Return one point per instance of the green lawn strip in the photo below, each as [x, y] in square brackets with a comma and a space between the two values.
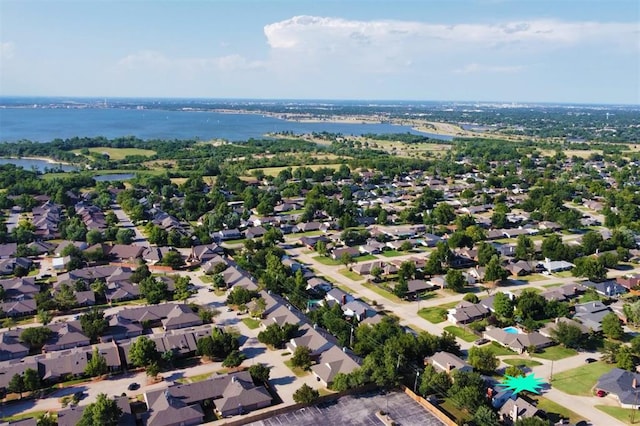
[364, 258]
[499, 350]
[252, 323]
[581, 380]
[554, 353]
[531, 278]
[622, 414]
[72, 383]
[327, 261]
[551, 285]
[436, 314]
[351, 275]
[461, 416]
[299, 372]
[556, 412]
[382, 292]
[461, 333]
[21, 416]
[199, 377]
[519, 362]
[393, 253]
[118, 153]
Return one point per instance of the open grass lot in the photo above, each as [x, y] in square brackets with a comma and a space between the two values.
[409, 150]
[393, 253]
[119, 153]
[327, 261]
[252, 323]
[519, 362]
[555, 353]
[580, 381]
[436, 314]
[622, 414]
[351, 275]
[461, 333]
[382, 292]
[273, 171]
[556, 412]
[499, 350]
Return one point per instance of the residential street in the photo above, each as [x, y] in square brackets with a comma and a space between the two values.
[125, 222]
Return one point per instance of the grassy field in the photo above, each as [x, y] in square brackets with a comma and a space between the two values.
[555, 353]
[557, 412]
[299, 372]
[382, 292]
[499, 350]
[351, 275]
[461, 333]
[436, 314]
[252, 323]
[274, 171]
[119, 153]
[519, 362]
[581, 380]
[327, 260]
[622, 414]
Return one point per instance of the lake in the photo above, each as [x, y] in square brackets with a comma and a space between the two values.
[113, 177]
[40, 165]
[46, 124]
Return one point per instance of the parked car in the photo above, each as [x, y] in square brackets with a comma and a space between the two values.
[133, 386]
[590, 360]
[481, 341]
[600, 393]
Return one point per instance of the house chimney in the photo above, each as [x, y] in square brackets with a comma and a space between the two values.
[448, 368]
[634, 383]
[344, 299]
[514, 414]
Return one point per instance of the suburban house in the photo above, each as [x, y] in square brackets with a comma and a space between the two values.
[590, 314]
[623, 385]
[11, 347]
[313, 338]
[609, 288]
[71, 416]
[514, 410]
[65, 335]
[549, 328]
[518, 342]
[466, 312]
[629, 281]
[332, 362]
[448, 362]
[335, 295]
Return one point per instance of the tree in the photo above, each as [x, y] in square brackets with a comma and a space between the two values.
[234, 359]
[35, 337]
[240, 296]
[483, 360]
[259, 373]
[65, 298]
[94, 237]
[44, 317]
[531, 305]
[140, 273]
[568, 335]
[153, 290]
[305, 394]
[218, 345]
[31, 380]
[432, 382]
[183, 289]
[376, 272]
[46, 419]
[485, 416]
[611, 326]
[625, 359]
[172, 259]
[93, 323]
[467, 391]
[485, 252]
[525, 249]
[471, 298]
[346, 259]
[153, 369]
[591, 242]
[16, 385]
[97, 364]
[125, 236]
[589, 267]
[104, 412]
[143, 352]
[495, 272]
[513, 371]
[531, 421]
[401, 288]
[301, 357]
[455, 280]
[275, 335]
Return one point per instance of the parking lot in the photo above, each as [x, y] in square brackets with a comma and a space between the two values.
[359, 410]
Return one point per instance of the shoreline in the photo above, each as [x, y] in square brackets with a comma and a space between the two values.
[46, 159]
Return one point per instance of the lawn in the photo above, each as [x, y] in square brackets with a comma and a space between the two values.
[519, 362]
[327, 261]
[351, 275]
[252, 323]
[382, 292]
[499, 350]
[556, 412]
[394, 253]
[460, 415]
[119, 153]
[26, 416]
[622, 414]
[532, 278]
[197, 378]
[555, 353]
[299, 372]
[581, 380]
[436, 314]
[461, 333]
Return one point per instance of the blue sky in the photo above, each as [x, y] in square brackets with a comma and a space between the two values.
[585, 51]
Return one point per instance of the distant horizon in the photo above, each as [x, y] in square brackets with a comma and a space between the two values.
[316, 100]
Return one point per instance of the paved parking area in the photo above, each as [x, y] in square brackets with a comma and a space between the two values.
[357, 410]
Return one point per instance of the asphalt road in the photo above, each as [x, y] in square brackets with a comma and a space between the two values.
[125, 222]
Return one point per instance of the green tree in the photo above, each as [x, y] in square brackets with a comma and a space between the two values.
[305, 394]
[259, 373]
[625, 359]
[301, 357]
[94, 237]
[143, 352]
[104, 412]
[153, 290]
[432, 382]
[16, 385]
[31, 380]
[125, 236]
[485, 416]
[44, 317]
[46, 419]
[467, 391]
[485, 252]
[495, 272]
[568, 335]
[96, 365]
[183, 289]
[513, 371]
[611, 326]
[35, 337]
[234, 359]
[455, 280]
[531, 421]
[483, 360]
[401, 288]
[172, 259]
[93, 323]
[65, 298]
[525, 249]
[589, 267]
[275, 335]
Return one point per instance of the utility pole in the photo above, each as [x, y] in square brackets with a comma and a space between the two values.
[351, 338]
[551, 373]
[415, 383]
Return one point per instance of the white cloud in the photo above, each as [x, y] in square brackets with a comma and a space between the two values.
[7, 50]
[149, 59]
[479, 68]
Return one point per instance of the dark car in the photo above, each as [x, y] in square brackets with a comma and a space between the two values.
[133, 386]
[79, 395]
[590, 360]
[600, 393]
[481, 341]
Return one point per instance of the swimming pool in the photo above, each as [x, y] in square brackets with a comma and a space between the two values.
[511, 330]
